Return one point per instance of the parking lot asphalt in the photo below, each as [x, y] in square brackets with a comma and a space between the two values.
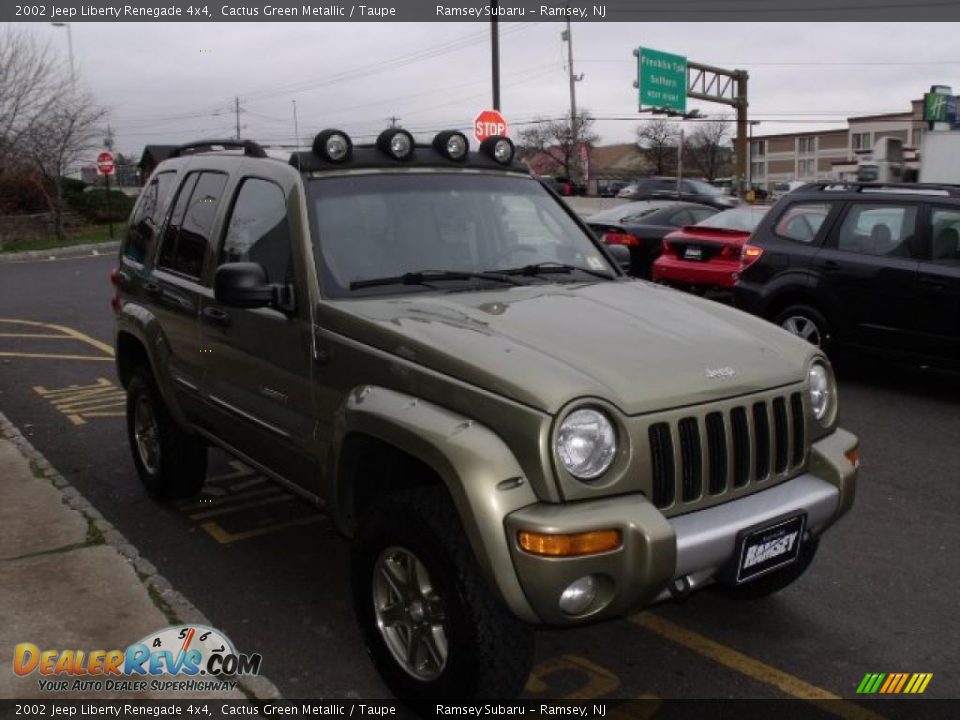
[882, 596]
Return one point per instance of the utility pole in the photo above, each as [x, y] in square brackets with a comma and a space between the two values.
[296, 126]
[740, 143]
[393, 119]
[574, 79]
[236, 106]
[680, 162]
[495, 53]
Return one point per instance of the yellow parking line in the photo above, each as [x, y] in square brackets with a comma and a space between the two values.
[225, 537]
[68, 332]
[52, 356]
[31, 335]
[752, 668]
[243, 506]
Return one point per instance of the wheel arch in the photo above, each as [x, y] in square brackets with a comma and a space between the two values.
[416, 437]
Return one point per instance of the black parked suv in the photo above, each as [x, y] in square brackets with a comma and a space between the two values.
[862, 266]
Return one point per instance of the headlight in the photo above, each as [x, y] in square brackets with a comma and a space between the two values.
[821, 391]
[586, 443]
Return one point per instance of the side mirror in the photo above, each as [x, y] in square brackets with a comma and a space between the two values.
[243, 285]
[621, 254]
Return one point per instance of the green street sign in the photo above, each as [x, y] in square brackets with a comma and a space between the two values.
[662, 79]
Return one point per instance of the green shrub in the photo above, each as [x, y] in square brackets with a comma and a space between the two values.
[93, 205]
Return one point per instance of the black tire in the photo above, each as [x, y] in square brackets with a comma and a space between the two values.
[774, 582]
[800, 313]
[180, 466]
[489, 651]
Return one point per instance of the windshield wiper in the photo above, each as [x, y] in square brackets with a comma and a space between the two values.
[427, 277]
[553, 267]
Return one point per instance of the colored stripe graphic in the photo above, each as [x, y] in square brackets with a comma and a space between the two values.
[894, 683]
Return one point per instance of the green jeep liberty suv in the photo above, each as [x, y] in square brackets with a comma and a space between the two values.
[427, 344]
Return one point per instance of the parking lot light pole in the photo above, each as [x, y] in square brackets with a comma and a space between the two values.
[73, 74]
[495, 53]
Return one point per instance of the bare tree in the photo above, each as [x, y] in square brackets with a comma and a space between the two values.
[31, 82]
[559, 142]
[59, 140]
[708, 148]
[658, 142]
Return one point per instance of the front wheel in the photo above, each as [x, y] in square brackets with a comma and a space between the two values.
[432, 626]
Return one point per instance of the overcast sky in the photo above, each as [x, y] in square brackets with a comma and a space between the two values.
[173, 82]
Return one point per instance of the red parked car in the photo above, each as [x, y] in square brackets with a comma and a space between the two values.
[706, 256]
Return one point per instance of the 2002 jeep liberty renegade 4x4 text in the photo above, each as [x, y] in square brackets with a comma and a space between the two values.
[429, 345]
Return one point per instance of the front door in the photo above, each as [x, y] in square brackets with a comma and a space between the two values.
[939, 286]
[259, 361]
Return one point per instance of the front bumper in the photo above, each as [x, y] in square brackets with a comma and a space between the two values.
[684, 552]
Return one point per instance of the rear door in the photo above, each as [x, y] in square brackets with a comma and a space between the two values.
[938, 284]
[867, 272]
[259, 359]
[175, 283]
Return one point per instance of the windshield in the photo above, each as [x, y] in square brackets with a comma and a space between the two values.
[705, 188]
[744, 218]
[369, 227]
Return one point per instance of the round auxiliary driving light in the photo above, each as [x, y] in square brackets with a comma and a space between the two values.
[396, 143]
[499, 148]
[452, 144]
[333, 146]
[579, 595]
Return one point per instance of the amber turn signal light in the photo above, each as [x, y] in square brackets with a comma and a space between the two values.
[588, 543]
[853, 455]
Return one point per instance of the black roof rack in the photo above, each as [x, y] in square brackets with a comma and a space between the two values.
[249, 147]
[894, 188]
[367, 156]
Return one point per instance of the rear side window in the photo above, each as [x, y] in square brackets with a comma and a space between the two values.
[802, 222]
[188, 232]
[258, 230]
[945, 236]
[879, 230]
[147, 217]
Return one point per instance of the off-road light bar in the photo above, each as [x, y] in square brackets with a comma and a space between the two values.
[396, 143]
[452, 144]
[499, 148]
[333, 146]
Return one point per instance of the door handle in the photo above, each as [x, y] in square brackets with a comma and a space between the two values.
[932, 284]
[216, 316]
[830, 265]
[152, 288]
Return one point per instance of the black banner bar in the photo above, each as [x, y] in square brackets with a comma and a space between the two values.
[647, 709]
[715, 11]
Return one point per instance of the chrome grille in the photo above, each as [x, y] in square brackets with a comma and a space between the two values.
[706, 454]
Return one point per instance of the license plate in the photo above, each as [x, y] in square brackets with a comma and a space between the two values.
[769, 548]
[693, 253]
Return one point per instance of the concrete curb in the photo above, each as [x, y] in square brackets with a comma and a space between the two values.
[104, 248]
[177, 607]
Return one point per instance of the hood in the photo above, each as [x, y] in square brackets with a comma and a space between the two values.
[641, 347]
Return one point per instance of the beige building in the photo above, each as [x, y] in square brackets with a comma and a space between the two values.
[832, 154]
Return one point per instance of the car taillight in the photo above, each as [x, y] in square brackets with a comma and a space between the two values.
[749, 255]
[666, 248]
[615, 238]
[115, 281]
[729, 251]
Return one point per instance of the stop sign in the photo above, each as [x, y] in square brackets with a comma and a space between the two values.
[489, 123]
[105, 165]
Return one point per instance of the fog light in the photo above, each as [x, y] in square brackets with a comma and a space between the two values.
[499, 148]
[452, 144]
[579, 595]
[333, 146]
[396, 143]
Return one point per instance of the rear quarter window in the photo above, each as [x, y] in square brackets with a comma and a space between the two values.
[801, 222]
[147, 217]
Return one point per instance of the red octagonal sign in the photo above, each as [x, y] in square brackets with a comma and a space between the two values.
[105, 165]
[489, 123]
